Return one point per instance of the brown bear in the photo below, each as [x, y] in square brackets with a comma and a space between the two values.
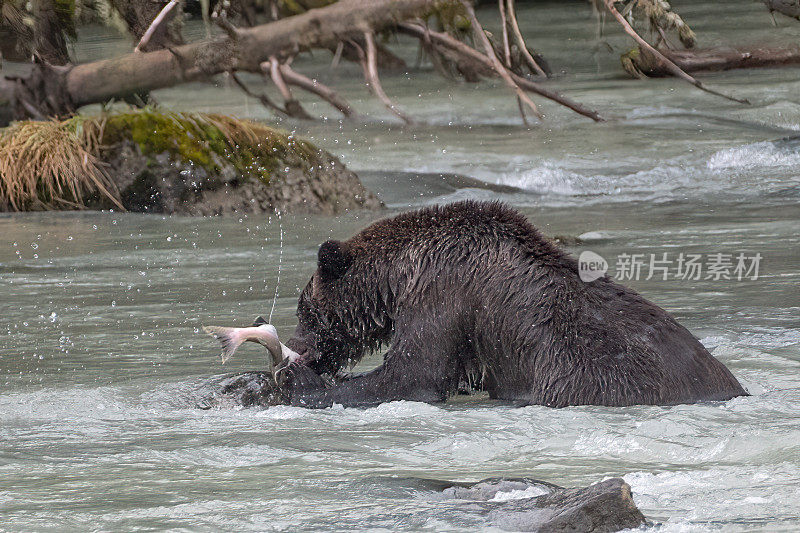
[473, 289]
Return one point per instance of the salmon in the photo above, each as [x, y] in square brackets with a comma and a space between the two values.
[260, 332]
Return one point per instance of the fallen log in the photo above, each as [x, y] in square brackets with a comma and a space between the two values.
[133, 73]
[58, 91]
[710, 60]
[659, 57]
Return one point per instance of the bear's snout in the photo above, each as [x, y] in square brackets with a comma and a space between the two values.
[301, 342]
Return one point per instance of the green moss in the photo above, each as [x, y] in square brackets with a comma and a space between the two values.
[65, 13]
[210, 141]
[638, 63]
[451, 17]
[156, 133]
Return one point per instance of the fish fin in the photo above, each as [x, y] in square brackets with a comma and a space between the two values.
[259, 322]
[227, 337]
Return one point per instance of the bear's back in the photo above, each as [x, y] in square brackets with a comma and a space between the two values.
[547, 336]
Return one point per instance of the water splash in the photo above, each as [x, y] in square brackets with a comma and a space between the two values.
[280, 264]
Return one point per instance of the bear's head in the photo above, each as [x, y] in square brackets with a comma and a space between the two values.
[341, 313]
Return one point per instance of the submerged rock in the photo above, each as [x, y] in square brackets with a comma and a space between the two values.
[522, 504]
[173, 163]
[605, 506]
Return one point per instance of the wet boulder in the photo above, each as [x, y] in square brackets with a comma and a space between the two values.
[530, 505]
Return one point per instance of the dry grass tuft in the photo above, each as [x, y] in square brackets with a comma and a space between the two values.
[51, 165]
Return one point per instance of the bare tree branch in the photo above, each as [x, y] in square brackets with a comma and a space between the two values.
[337, 55]
[139, 15]
[293, 77]
[501, 5]
[263, 98]
[480, 35]
[291, 105]
[370, 65]
[674, 69]
[324, 27]
[49, 92]
[504, 20]
[162, 15]
[485, 64]
[523, 48]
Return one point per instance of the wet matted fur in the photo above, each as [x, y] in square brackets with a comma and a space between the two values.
[473, 288]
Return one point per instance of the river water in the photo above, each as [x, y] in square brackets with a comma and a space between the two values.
[101, 350]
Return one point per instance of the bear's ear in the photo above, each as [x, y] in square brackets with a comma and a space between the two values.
[333, 259]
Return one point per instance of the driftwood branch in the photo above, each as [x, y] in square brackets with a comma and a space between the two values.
[337, 55]
[291, 105]
[370, 64]
[437, 57]
[487, 68]
[501, 6]
[504, 73]
[716, 59]
[263, 98]
[344, 25]
[325, 27]
[139, 16]
[671, 67]
[160, 18]
[523, 48]
[292, 77]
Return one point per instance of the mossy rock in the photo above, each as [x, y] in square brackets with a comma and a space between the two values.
[165, 162]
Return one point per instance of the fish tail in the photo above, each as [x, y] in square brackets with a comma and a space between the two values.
[227, 337]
